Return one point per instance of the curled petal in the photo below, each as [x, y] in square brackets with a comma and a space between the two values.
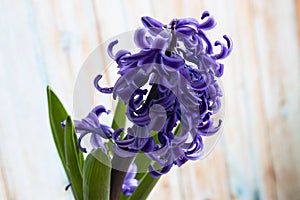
[209, 48]
[220, 70]
[149, 146]
[108, 90]
[120, 54]
[181, 160]
[162, 40]
[155, 173]
[187, 22]
[124, 153]
[125, 143]
[140, 39]
[205, 14]
[209, 23]
[186, 30]
[110, 49]
[175, 63]
[79, 142]
[196, 146]
[148, 60]
[229, 43]
[223, 52]
[225, 48]
[98, 110]
[199, 86]
[155, 154]
[139, 143]
[136, 57]
[116, 134]
[208, 128]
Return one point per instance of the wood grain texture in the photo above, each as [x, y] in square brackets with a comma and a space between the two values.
[47, 41]
[280, 78]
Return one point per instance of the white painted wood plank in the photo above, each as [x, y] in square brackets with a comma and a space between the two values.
[280, 76]
[66, 34]
[244, 128]
[28, 158]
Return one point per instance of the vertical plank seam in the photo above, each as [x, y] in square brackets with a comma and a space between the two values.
[125, 15]
[4, 181]
[227, 170]
[297, 10]
[97, 25]
[180, 179]
[99, 38]
[35, 41]
[271, 170]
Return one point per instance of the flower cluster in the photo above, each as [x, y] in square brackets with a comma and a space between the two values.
[178, 63]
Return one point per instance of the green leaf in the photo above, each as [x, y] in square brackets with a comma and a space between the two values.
[96, 176]
[123, 197]
[120, 116]
[72, 154]
[145, 187]
[57, 114]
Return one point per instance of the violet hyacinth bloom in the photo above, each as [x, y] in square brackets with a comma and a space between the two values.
[178, 62]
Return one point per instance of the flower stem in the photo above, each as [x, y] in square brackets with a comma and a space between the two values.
[173, 41]
[117, 176]
[153, 94]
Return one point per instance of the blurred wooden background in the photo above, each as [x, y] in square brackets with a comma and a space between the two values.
[258, 157]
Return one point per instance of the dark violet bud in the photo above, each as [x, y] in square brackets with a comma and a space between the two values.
[130, 183]
[68, 186]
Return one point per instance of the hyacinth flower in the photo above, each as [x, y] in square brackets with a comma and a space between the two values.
[171, 94]
[178, 61]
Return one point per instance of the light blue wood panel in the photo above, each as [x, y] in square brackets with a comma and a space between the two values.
[46, 42]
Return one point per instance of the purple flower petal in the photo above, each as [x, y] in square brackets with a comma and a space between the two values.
[155, 173]
[100, 89]
[151, 23]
